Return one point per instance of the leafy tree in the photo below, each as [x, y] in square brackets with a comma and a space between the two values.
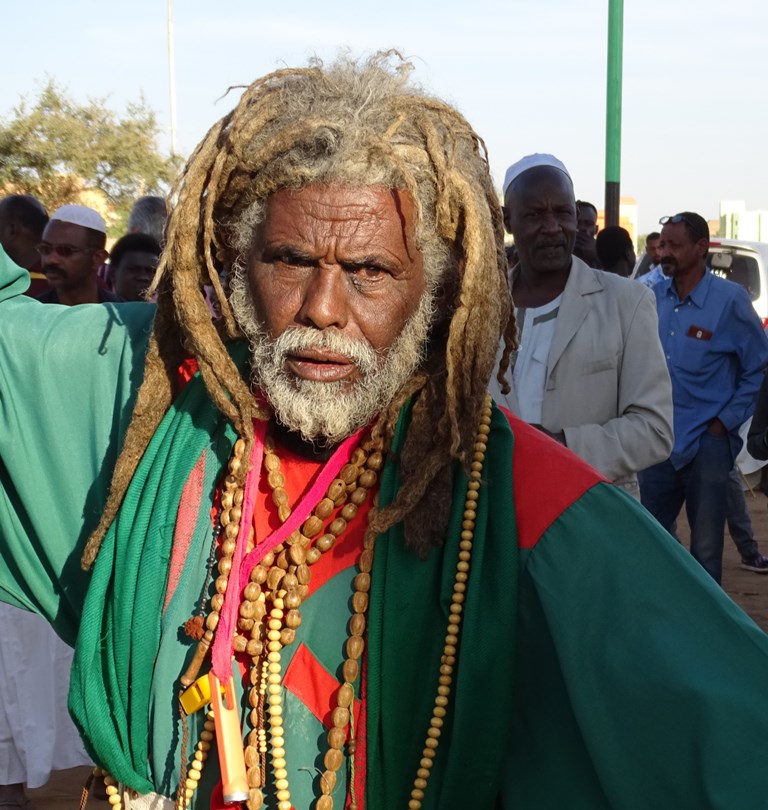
[55, 148]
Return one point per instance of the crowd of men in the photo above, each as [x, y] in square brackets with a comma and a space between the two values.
[301, 508]
[595, 372]
[66, 254]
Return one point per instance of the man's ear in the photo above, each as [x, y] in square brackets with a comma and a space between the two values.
[505, 213]
[99, 257]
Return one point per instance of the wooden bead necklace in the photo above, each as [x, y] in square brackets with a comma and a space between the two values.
[285, 575]
[282, 579]
[288, 583]
[451, 643]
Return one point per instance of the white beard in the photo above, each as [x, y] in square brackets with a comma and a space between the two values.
[326, 413]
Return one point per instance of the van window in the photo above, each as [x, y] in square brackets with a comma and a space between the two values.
[739, 268]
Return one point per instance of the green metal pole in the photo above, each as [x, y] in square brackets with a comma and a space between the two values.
[613, 111]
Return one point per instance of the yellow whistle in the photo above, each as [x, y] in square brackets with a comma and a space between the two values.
[229, 739]
[196, 696]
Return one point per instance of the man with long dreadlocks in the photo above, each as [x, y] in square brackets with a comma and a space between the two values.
[327, 571]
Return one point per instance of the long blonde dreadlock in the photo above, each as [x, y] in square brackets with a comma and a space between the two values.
[352, 123]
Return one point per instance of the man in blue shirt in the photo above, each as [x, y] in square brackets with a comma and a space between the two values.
[716, 351]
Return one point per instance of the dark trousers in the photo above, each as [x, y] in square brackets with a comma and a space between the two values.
[702, 486]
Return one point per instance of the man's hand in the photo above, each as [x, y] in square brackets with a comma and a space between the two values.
[716, 428]
[559, 437]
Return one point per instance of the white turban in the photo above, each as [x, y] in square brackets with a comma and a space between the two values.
[80, 215]
[531, 162]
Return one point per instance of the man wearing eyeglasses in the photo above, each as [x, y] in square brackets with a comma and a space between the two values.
[716, 351]
[72, 250]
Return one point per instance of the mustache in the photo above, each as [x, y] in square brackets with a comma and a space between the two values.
[548, 243]
[298, 338]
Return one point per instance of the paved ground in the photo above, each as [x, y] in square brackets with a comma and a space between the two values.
[748, 589]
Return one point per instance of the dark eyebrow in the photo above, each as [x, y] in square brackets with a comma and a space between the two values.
[277, 252]
[291, 253]
[377, 262]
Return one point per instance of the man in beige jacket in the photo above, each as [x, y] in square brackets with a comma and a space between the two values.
[589, 370]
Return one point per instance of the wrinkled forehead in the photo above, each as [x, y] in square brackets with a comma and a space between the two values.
[319, 216]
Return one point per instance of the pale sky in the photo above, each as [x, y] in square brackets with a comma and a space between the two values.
[529, 76]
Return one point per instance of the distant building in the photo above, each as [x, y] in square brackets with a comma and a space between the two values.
[738, 223]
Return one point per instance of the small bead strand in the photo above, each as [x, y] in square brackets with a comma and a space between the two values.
[450, 645]
[198, 761]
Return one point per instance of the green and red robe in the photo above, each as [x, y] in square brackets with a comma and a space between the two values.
[599, 666]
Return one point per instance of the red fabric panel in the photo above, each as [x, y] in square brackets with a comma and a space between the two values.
[344, 554]
[537, 462]
[186, 520]
[299, 474]
[308, 680]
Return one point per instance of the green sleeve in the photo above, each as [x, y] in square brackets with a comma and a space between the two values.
[641, 684]
[68, 378]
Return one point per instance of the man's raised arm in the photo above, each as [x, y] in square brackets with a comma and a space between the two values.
[68, 378]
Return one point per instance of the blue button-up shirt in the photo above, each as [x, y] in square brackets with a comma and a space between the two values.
[716, 351]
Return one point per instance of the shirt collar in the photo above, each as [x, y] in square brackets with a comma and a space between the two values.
[698, 295]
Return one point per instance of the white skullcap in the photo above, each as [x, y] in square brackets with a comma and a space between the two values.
[80, 215]
[531, 162]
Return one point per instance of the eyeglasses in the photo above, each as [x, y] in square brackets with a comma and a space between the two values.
[65, 251]
[683, 218]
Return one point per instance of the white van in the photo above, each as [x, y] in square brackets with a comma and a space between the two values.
[745, 263]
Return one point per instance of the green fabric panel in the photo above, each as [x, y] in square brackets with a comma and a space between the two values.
[14, 280]
[408, 616]
[120, 634]
[68, 379]
[173, 654]
[323, 630]
[641, 684]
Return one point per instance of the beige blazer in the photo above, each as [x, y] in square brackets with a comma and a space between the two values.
[607, 385]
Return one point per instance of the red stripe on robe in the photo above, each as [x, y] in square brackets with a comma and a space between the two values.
[537, 461]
